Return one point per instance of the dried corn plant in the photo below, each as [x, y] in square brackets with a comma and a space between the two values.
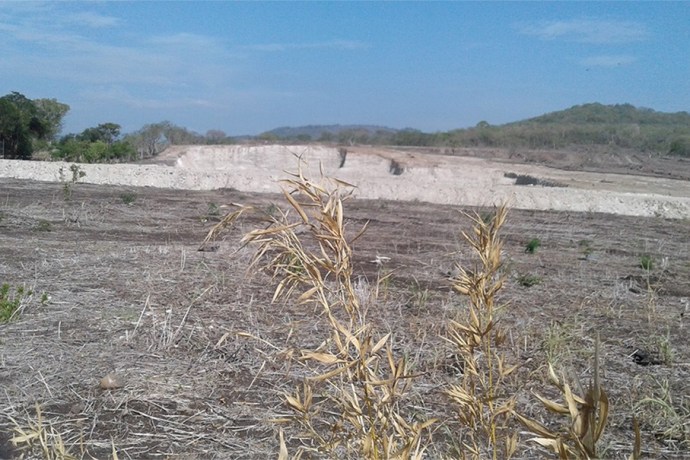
[587, 416]
[38, 438]
[483, 407]
[224, 223]
[350, 405]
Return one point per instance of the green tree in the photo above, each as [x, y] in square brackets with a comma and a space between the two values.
[52, 113]
[105, 132]
[680, 146]
[148, 141]
[26, 125]
[14, 134]
[95, 145]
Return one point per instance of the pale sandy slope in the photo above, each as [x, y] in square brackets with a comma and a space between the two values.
[425, 177]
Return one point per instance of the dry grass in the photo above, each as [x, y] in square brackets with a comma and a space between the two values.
[483, 405]
[37, 437]
[349, 405]
[351, 400]
[208, 362]
[588, 415]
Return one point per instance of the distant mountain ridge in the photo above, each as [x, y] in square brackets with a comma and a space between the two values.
[620, 125]
[590, 113]
[316, 131]
[596, 113]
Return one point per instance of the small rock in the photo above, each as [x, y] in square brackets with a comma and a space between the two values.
[111, 382]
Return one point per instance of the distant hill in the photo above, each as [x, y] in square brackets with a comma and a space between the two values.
[319, 131]
[620, 125]
[612, 126]
[619, 114]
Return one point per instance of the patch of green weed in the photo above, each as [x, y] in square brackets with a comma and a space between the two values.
[128, 198]
[528, 280]
[532, 246]
[646, 262]
[11, 301]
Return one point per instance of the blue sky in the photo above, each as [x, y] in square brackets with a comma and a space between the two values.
[249, 67]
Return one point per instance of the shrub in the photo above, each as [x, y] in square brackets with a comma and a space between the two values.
[11, 302]
[68, 182]
[532, 245]
[646, 262]
[585, 247]
[128, 198]
[584, 417]
[528, 280]
[44, 226]
[680, 146]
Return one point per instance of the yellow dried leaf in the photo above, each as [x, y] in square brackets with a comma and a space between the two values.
[535, 427]
[572, 404]
[553, 376]
[331, 374]
[427, 424]
[380, 343]
[325, 358]
[510, 370]
[283, 454]
[511, 445]
[296, 206]
[294, 403]
[24, 438]
[603, 414]
[553, 444]
[552, 405]
[339, 214]
[307, 295]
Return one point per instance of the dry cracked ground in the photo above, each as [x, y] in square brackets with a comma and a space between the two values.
[199, 357]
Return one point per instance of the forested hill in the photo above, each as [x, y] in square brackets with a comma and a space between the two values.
[622, 114]
[320, 131]
[623, 125]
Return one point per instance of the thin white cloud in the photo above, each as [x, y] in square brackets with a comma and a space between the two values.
[607, 61]
[118, 95]
[331, 44]
[593, 31]
[184, 39]
[93, 20]
[177, 61]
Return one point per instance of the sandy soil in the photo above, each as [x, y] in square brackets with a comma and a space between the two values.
[386, 174]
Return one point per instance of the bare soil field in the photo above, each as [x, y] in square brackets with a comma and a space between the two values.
[199, 358]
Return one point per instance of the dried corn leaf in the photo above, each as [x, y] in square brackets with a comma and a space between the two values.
[283, 454]
[535, 427]
[380, 343]
[552, 405]
[325, 358]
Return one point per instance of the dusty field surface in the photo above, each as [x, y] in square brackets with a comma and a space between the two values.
[201, 357]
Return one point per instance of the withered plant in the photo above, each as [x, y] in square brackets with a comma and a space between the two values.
[351, 404]
[585, 416]
[39, 438]
[482, 404]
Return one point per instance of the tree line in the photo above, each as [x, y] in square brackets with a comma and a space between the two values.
[30, 129]
[620, 126]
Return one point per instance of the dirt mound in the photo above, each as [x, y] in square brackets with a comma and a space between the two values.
[388, 174]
